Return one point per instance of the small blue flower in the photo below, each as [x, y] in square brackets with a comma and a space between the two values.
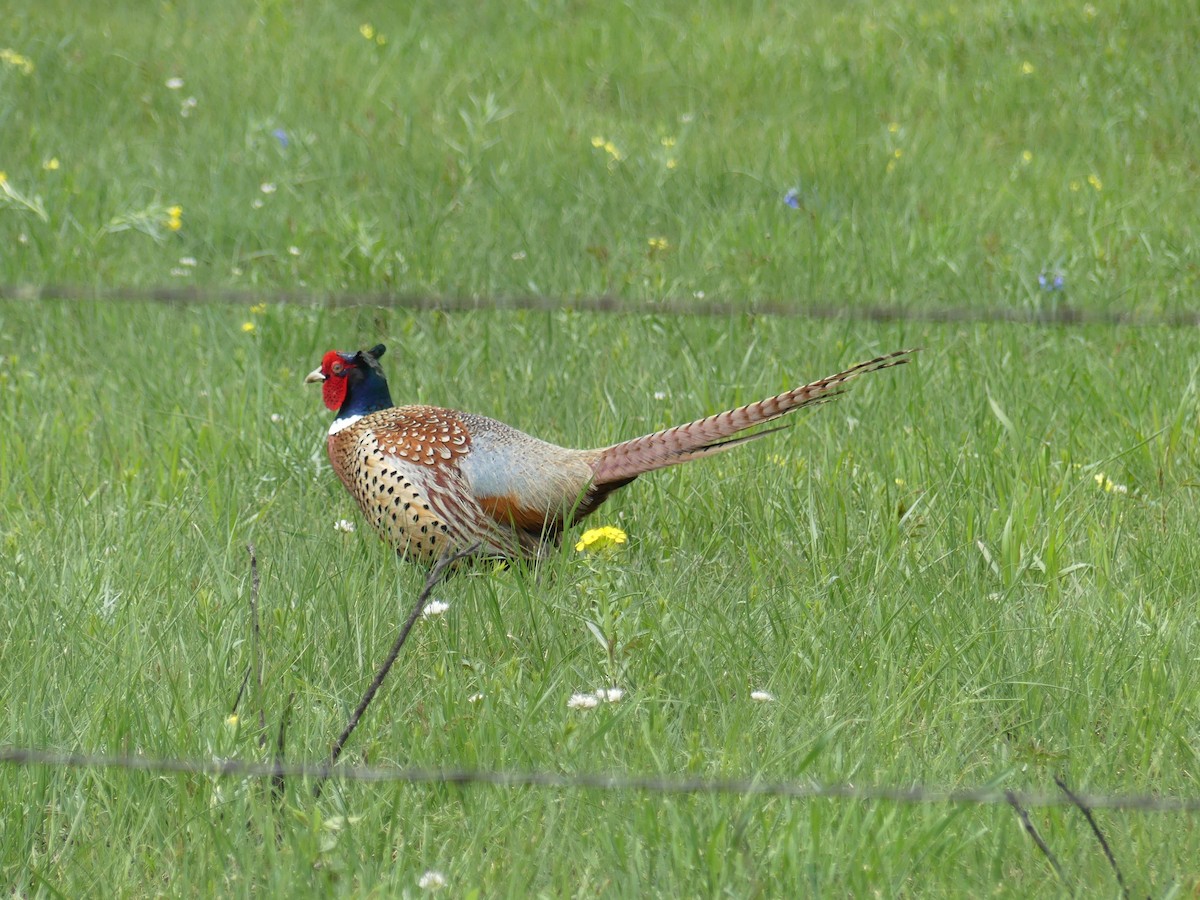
[792, 198]
[281, 136]
[1046, 283]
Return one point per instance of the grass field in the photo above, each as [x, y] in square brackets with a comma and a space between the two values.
[979, 569]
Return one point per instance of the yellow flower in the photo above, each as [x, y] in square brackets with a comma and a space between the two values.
[672, 163]
[1075, 185]
[604, 538]
[258, 309]
[1027, 68]
[367, 30]
[668, 142]
[51, 164]
[248, 327]
[897, 153]
[16, 60]
[658, 244]
[1094, 181]
[1027, 157]
[600, 142]
[893, 127]
[175, 218]
[3, 178]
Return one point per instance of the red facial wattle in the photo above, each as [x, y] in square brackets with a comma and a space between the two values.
[333, 389]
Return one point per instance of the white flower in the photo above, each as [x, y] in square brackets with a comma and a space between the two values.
[519, 255]
[267, 187]
[189, 261]
[174, 83]
[276, 417]
[610, 695]
[257, 204]
[108, 606]
[660, 395]
[177, 272]
[295, 251]
[433, 880]
[761, 696]
[435, 608]
[343, 525]
[583, 701]
[475, 698]
[186, 107]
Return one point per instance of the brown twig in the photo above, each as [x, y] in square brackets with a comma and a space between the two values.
[1079, 804]
[241, 690]
[277, 777]
[435, 575]
[255, 653]
[1032, 831]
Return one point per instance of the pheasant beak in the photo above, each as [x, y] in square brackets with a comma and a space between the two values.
[315, 376]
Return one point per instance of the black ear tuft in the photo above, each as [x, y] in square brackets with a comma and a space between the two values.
[377, 351]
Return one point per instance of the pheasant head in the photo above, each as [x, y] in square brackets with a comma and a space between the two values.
[352, 384]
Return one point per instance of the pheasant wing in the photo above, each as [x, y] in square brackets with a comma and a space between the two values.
[408, 481]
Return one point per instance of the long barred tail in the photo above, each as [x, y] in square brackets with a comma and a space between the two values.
[621, 463]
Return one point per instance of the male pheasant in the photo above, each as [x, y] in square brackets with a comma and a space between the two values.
[432, 480]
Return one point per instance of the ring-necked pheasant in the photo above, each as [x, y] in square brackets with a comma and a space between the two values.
[431, 479]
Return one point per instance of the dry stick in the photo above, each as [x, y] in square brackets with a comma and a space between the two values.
[1087, 814]
[435, 575]
[237, 700]
[1033, 832]
[277, 778]
[241, 690]
[255, 654]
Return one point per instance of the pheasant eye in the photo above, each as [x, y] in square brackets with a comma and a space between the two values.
[337, 368]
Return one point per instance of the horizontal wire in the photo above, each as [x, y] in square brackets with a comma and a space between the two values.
[1057, 314]
[655, 784]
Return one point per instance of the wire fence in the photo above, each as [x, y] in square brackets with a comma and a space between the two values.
[652, 784]
[1052, 313]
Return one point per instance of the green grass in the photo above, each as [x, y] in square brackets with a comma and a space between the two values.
[426, 163]
[927, 574]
